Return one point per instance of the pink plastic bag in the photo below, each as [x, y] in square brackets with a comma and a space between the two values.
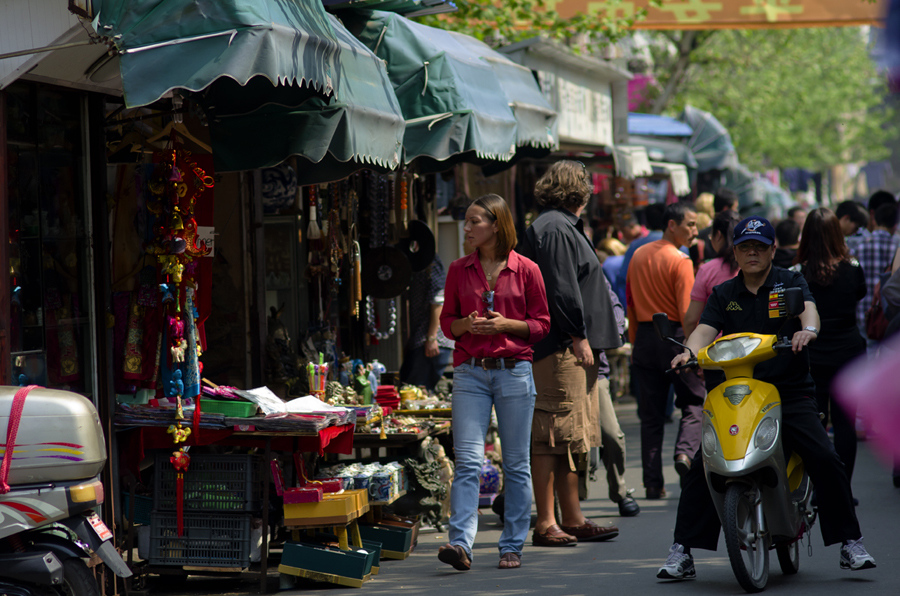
[870, 385]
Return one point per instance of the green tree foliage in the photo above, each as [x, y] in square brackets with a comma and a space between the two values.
[500, 22]
[808, 98]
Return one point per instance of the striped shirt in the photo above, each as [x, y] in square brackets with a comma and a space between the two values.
[874, 253]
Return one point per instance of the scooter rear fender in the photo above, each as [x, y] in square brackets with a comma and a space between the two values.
[104, 549]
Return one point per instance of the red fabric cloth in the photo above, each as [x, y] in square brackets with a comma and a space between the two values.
[12, 429]
[518, 294]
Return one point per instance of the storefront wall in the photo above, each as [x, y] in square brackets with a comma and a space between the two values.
[51, 312]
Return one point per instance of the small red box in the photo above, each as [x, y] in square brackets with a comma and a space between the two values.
[328, 485]
[303, 494]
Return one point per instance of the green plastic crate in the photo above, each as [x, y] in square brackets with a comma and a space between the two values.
[142, 508]
[233, 409]
[208, 540]
[214, 483]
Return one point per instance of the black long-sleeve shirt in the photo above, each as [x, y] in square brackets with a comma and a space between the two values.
[577, 289]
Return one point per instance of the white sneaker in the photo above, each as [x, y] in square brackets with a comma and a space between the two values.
[854, 556]
[678, 565]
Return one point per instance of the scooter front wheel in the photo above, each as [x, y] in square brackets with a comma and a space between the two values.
[745, 536]
[77, 579]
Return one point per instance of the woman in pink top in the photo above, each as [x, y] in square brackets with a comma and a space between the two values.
[715, 271]
[710, 274]
[495, 308]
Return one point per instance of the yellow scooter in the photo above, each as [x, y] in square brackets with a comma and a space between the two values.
[761, 496]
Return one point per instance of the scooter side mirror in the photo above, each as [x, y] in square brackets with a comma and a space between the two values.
[793, 302]
[663, 326]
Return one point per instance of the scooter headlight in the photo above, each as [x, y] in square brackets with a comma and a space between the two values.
[766, 434]
[710, 440]
[732, 349]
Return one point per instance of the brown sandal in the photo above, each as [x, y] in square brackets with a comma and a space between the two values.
[553, 536]
[510, 561]
[455, 556]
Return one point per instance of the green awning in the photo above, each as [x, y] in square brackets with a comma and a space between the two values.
[410, 8]
[259, 125]
[711, 143]
[535, 117]
[276, 79]
[454, 106]
[188, 44]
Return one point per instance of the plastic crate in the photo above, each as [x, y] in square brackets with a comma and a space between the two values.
[214, 483]
[231, 408]
[208, 541]
[142, 508]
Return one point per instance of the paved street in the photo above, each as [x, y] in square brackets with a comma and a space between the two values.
[627, 564]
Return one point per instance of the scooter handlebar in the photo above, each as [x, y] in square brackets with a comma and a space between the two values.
[783, 344]
[692, 363]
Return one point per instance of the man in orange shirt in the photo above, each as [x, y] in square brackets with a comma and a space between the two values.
[660, 278]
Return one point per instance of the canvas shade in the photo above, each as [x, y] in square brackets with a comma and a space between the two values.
[188, 44]
[665, 150]
[259, 124]
[454, 106]
[710, 142]
[277, 79]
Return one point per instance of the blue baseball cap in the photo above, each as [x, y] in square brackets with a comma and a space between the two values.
[754, 228]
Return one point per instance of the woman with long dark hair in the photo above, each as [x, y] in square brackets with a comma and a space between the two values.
[495, 307]
[837, 283]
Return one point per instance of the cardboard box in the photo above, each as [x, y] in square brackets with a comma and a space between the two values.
[347, 568]
[334, 508]
[396, 543]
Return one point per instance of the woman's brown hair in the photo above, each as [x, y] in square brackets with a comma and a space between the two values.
[822, 246]
[498, 211]
[563, 185]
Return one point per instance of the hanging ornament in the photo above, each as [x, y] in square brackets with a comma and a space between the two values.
[370, 319]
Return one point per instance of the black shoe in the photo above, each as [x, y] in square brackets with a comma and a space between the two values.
[656, 492]
[499, 506]
[628, 507]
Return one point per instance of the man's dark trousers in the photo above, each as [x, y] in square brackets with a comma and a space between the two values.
[697, 524]
[652, 357]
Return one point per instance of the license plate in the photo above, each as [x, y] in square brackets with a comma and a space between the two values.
[99, 527]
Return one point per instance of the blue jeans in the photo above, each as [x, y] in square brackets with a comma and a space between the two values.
[511, 392]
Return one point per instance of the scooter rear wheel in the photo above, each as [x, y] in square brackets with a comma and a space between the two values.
[78, 579]
[745, 537]
[789, 557]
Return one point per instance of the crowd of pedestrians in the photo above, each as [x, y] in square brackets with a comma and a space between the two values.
[532, 319]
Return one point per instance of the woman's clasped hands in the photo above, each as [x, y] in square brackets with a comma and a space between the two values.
[492, 324]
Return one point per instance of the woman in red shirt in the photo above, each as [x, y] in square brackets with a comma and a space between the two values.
[495, 307]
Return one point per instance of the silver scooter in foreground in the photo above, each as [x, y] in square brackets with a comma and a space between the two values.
[54, 453]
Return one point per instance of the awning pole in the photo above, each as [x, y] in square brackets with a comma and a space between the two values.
[63, 46]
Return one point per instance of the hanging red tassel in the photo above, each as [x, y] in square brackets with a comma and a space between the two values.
[180, 461]
[179, 504]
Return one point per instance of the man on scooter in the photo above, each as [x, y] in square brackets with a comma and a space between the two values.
[744, 304]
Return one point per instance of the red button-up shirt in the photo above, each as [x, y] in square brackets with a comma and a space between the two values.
[518, 294]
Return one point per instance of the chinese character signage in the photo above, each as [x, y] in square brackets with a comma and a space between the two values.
[734, 14]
